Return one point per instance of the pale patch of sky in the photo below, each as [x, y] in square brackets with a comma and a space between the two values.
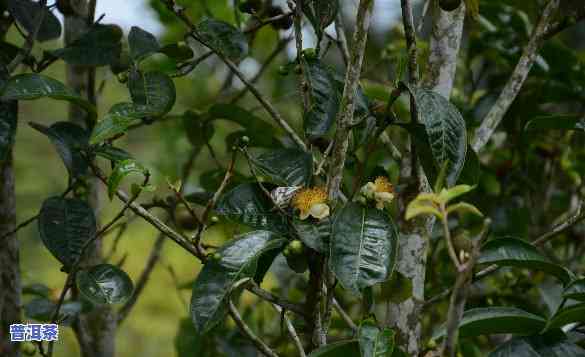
[128, 13]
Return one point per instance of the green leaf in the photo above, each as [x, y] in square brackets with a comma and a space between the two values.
[42, 309]
[445, 129]
[111, 126]
[552, 344]
[249, 205]
[104, 284]
[179, 53]
[338, 349]
[471, 171]
[575, 290]
[363, 247]
[65, 225]
[567, 315]
[27, 13]
[8, 124]
[321, 13]
[142, 43]
[556, 122]
[315, 234]
[199, 131]
[70, 140]
[29, 86]
[188, 342]
[324, 99]
[237, 260]
[496, 320]
[99, 46]
[285, 167]
[155, 91]
[373, 342]
[112, 153]
[255, 126]
[223, 38]
[518, 253]
[121, 171]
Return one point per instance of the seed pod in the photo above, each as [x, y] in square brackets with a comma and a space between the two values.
[449, 5]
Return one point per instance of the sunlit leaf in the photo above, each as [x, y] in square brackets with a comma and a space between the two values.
[99, 46]
[223, 37]
[104, 284]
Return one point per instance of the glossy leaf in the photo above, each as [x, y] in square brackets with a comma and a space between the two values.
[104, 284]
[155, 91]
[112, 153]
[142, 43]
[556, 122]
[373, 341]
[316, 235]
[567, 315]
[42, 309]
[249, 205]
[199, 131]
[188, 342]
[552, 344]
[363, 247]
[29, 86]
[237, 259]
[285, 167]
[223, 37]
[255, 127]
[496, 320]
[519, 253]
[111, 126]
[445, 129]
[575, 290]
[65, 225]
[324, 99]
[27, 14]
[69, 139]
[121, 171]
[99, 46]
[338, 349]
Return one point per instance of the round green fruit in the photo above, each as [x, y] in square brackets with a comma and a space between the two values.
[296, 247]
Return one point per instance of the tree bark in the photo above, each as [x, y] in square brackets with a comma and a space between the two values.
[10, 288]
[95, 330]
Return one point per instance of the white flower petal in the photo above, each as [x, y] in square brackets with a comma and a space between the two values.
[319, 210]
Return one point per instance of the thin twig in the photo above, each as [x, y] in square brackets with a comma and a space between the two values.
[30, 39]
[291, 331]
[244, 328]
[410, 34]
[268, 296]
[517, 79]
[341, 38]
[345, 316]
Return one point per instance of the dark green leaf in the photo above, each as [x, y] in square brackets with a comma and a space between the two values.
[363, 247]
[65, 225]
[248, 204]
[104, 284]
[29, 86]
[496, 320]
[575, 290]
[153, 90]
[445, 128]
[121, 171]
[112, 153]
[237, 260]
[556, 122]
[70, 140]
[255, 127]
[315, 234]
[42, 309]
[199, 131]
[222, 37]
[142, 43]
[324, 99]
[471, 172]
[519, 253]
[321, 13]
[373, 342]
[338, 349]
[552, 344]
[100, 46]
[199, 197]
[179, 53]
[188, 342]
[27, 13]
[36, 289]
[111, 126]
[285, 167]
[8, 124]
[567, 315]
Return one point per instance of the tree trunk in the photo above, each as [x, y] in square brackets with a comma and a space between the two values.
[9, 247]
[95, 330]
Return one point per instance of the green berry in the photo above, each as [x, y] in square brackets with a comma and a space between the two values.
[214, 219]
[283, 70]
[296, 247]
[310, 53]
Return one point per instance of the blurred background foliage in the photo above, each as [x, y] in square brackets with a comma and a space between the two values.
[528, 181]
